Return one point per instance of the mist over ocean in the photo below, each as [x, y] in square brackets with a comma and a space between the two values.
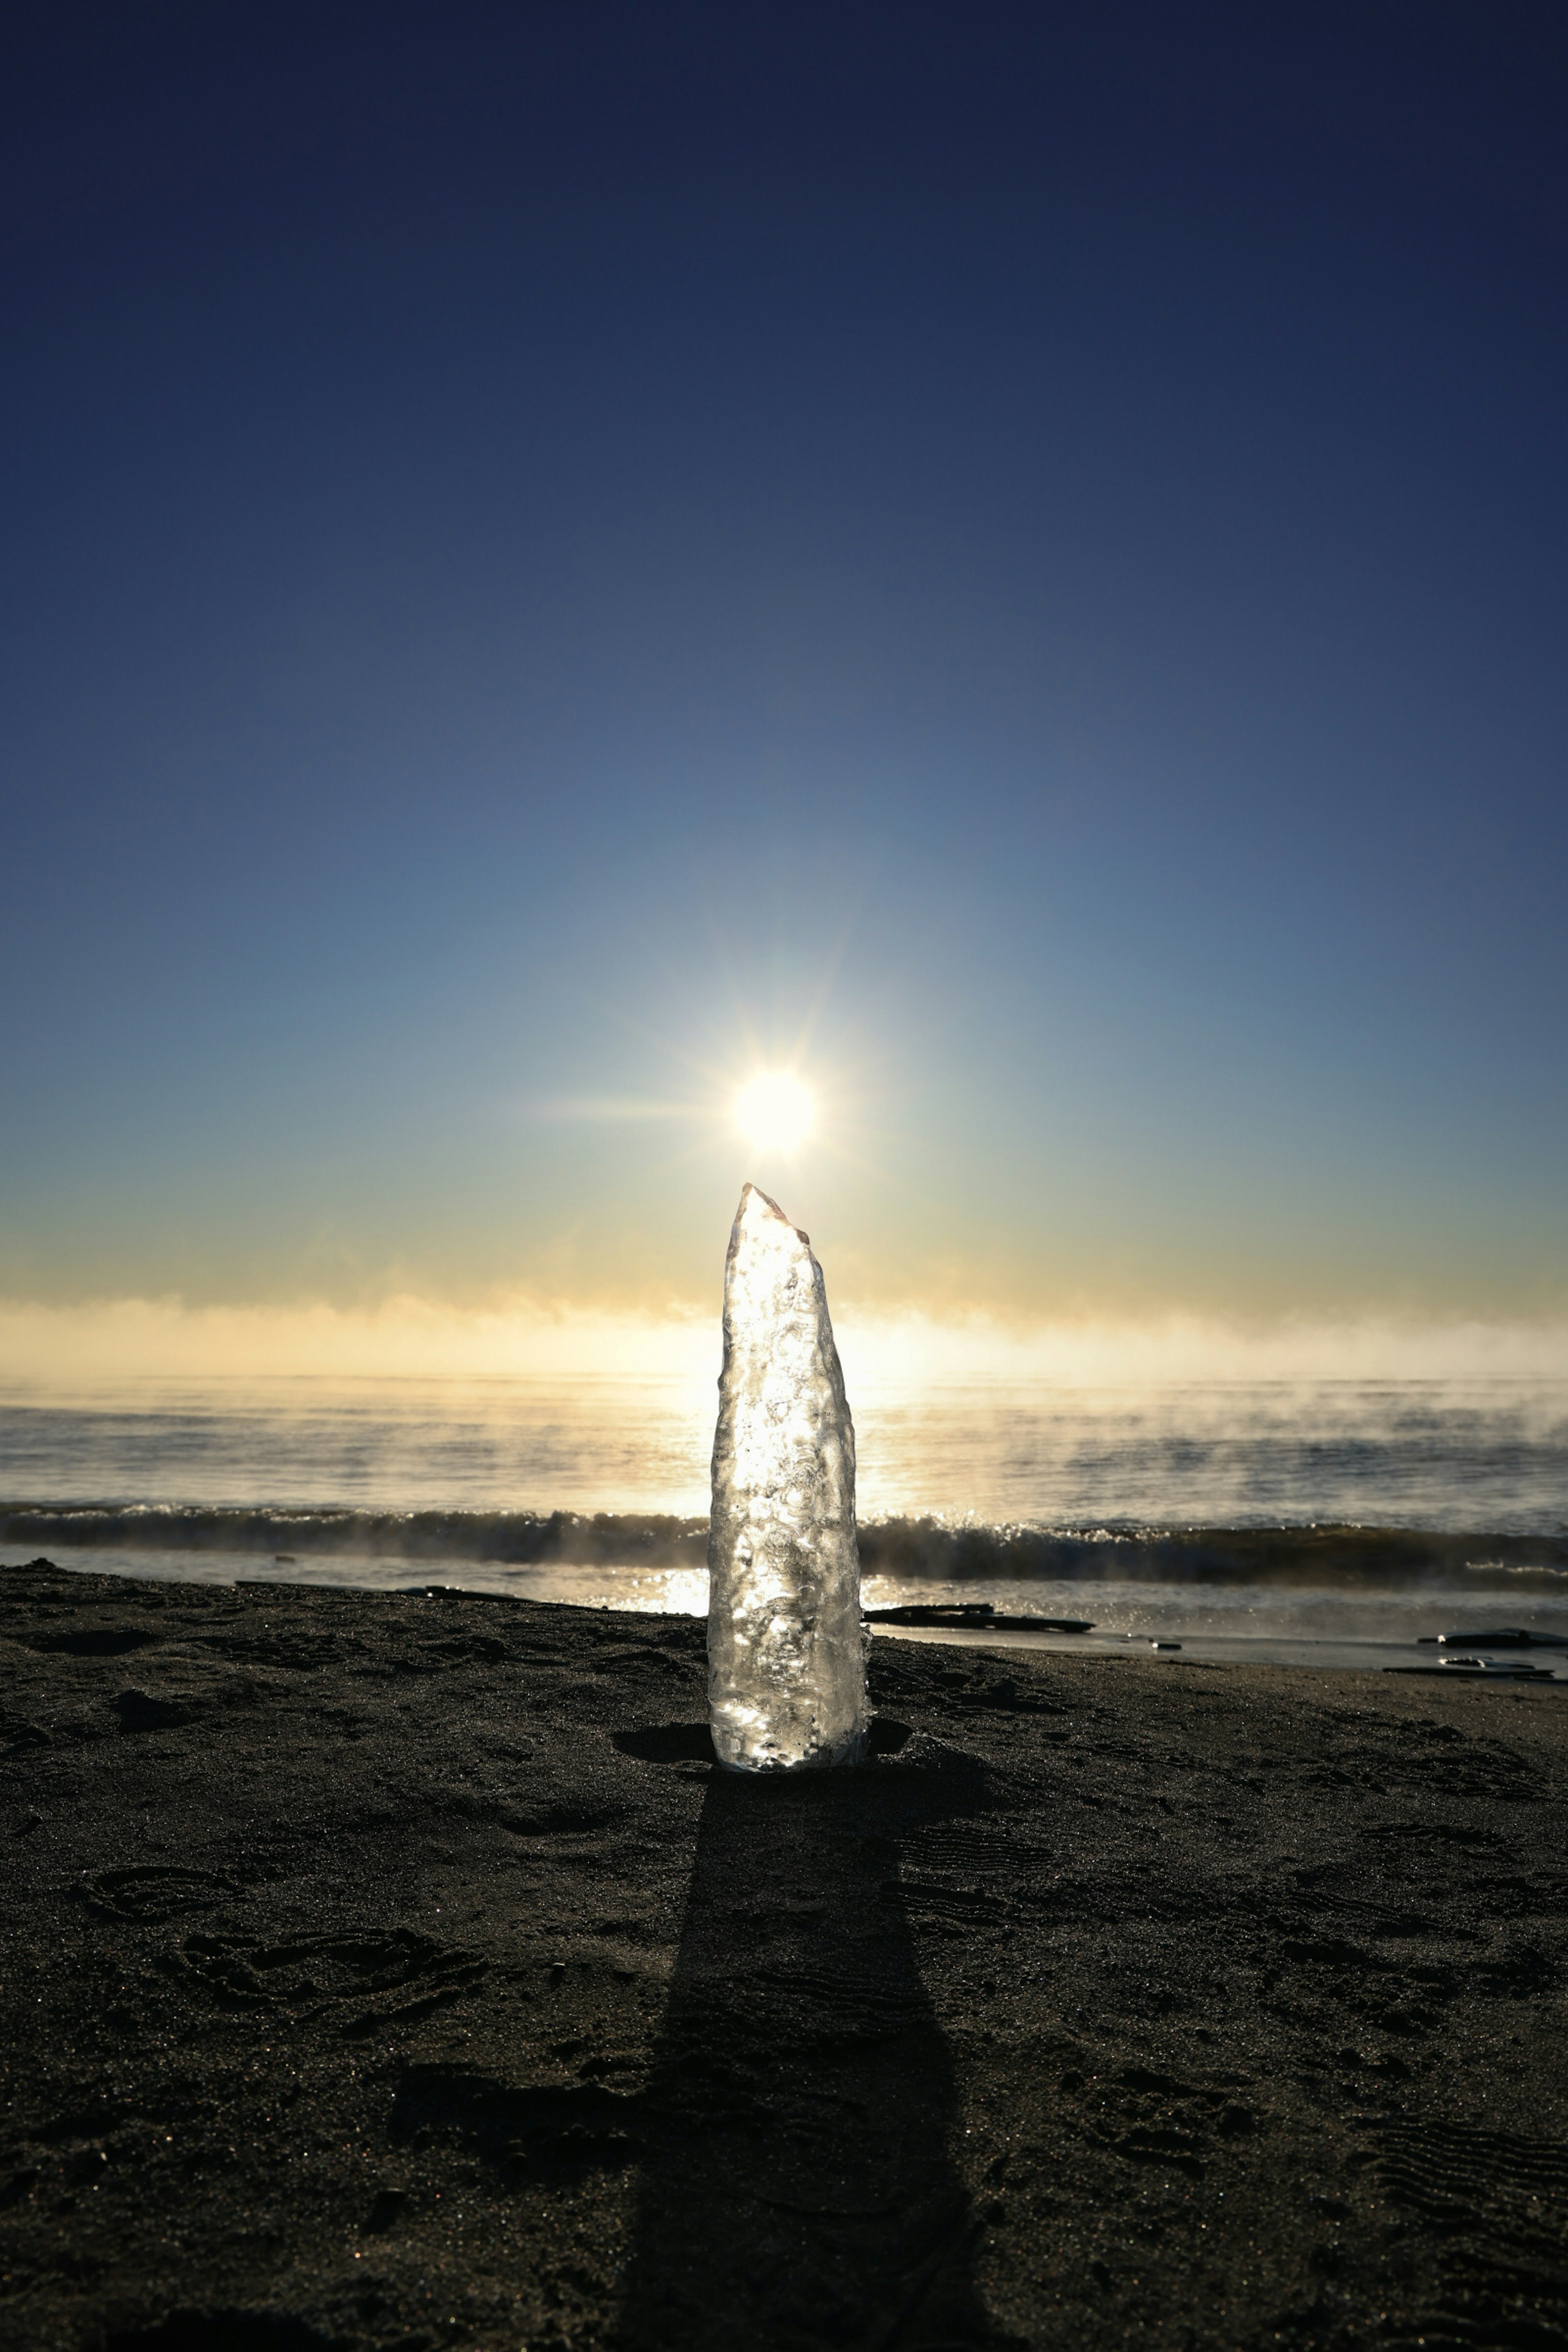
[1329, 1522]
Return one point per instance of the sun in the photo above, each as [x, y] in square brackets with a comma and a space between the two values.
[775, 1112]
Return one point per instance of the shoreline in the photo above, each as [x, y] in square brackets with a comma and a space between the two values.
[395, 1970]
[1369, 1634]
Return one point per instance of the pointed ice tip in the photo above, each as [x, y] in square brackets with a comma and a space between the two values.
[756, 1208]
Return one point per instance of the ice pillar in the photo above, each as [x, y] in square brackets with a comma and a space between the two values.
[786, 1654]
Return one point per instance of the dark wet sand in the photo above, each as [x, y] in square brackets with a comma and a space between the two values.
[397, 1972]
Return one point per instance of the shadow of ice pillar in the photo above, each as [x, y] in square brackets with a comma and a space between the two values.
[786, 1654]
[800, 2188]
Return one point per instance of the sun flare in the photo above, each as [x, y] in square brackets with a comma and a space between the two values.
[775, 1112]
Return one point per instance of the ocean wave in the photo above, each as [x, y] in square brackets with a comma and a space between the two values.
[953, 1551]
[1316, 1555]
[505, 1539]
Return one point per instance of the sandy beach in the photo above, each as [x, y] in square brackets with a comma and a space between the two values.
[397, 1970]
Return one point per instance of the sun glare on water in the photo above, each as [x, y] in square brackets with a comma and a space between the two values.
[774, 1111]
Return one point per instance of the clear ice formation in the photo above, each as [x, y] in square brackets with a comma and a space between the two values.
[786, 1652]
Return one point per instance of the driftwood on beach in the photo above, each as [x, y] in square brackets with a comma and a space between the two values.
[397, 1970]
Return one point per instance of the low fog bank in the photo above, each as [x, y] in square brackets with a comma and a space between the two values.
[102, 1348]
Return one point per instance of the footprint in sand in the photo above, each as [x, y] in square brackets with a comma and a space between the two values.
[152, 1896]
[383, 1978]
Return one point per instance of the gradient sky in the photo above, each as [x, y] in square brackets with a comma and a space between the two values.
[1013, 555]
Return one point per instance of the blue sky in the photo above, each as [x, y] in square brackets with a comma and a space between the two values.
[1013, 556]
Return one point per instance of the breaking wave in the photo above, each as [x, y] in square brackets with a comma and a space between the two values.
[949, 1551]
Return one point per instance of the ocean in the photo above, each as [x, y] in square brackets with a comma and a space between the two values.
[1331, 1523]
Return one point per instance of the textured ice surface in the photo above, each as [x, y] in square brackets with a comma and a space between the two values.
[786, 1656]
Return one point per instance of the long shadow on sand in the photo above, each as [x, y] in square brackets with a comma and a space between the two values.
[798, 2188]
